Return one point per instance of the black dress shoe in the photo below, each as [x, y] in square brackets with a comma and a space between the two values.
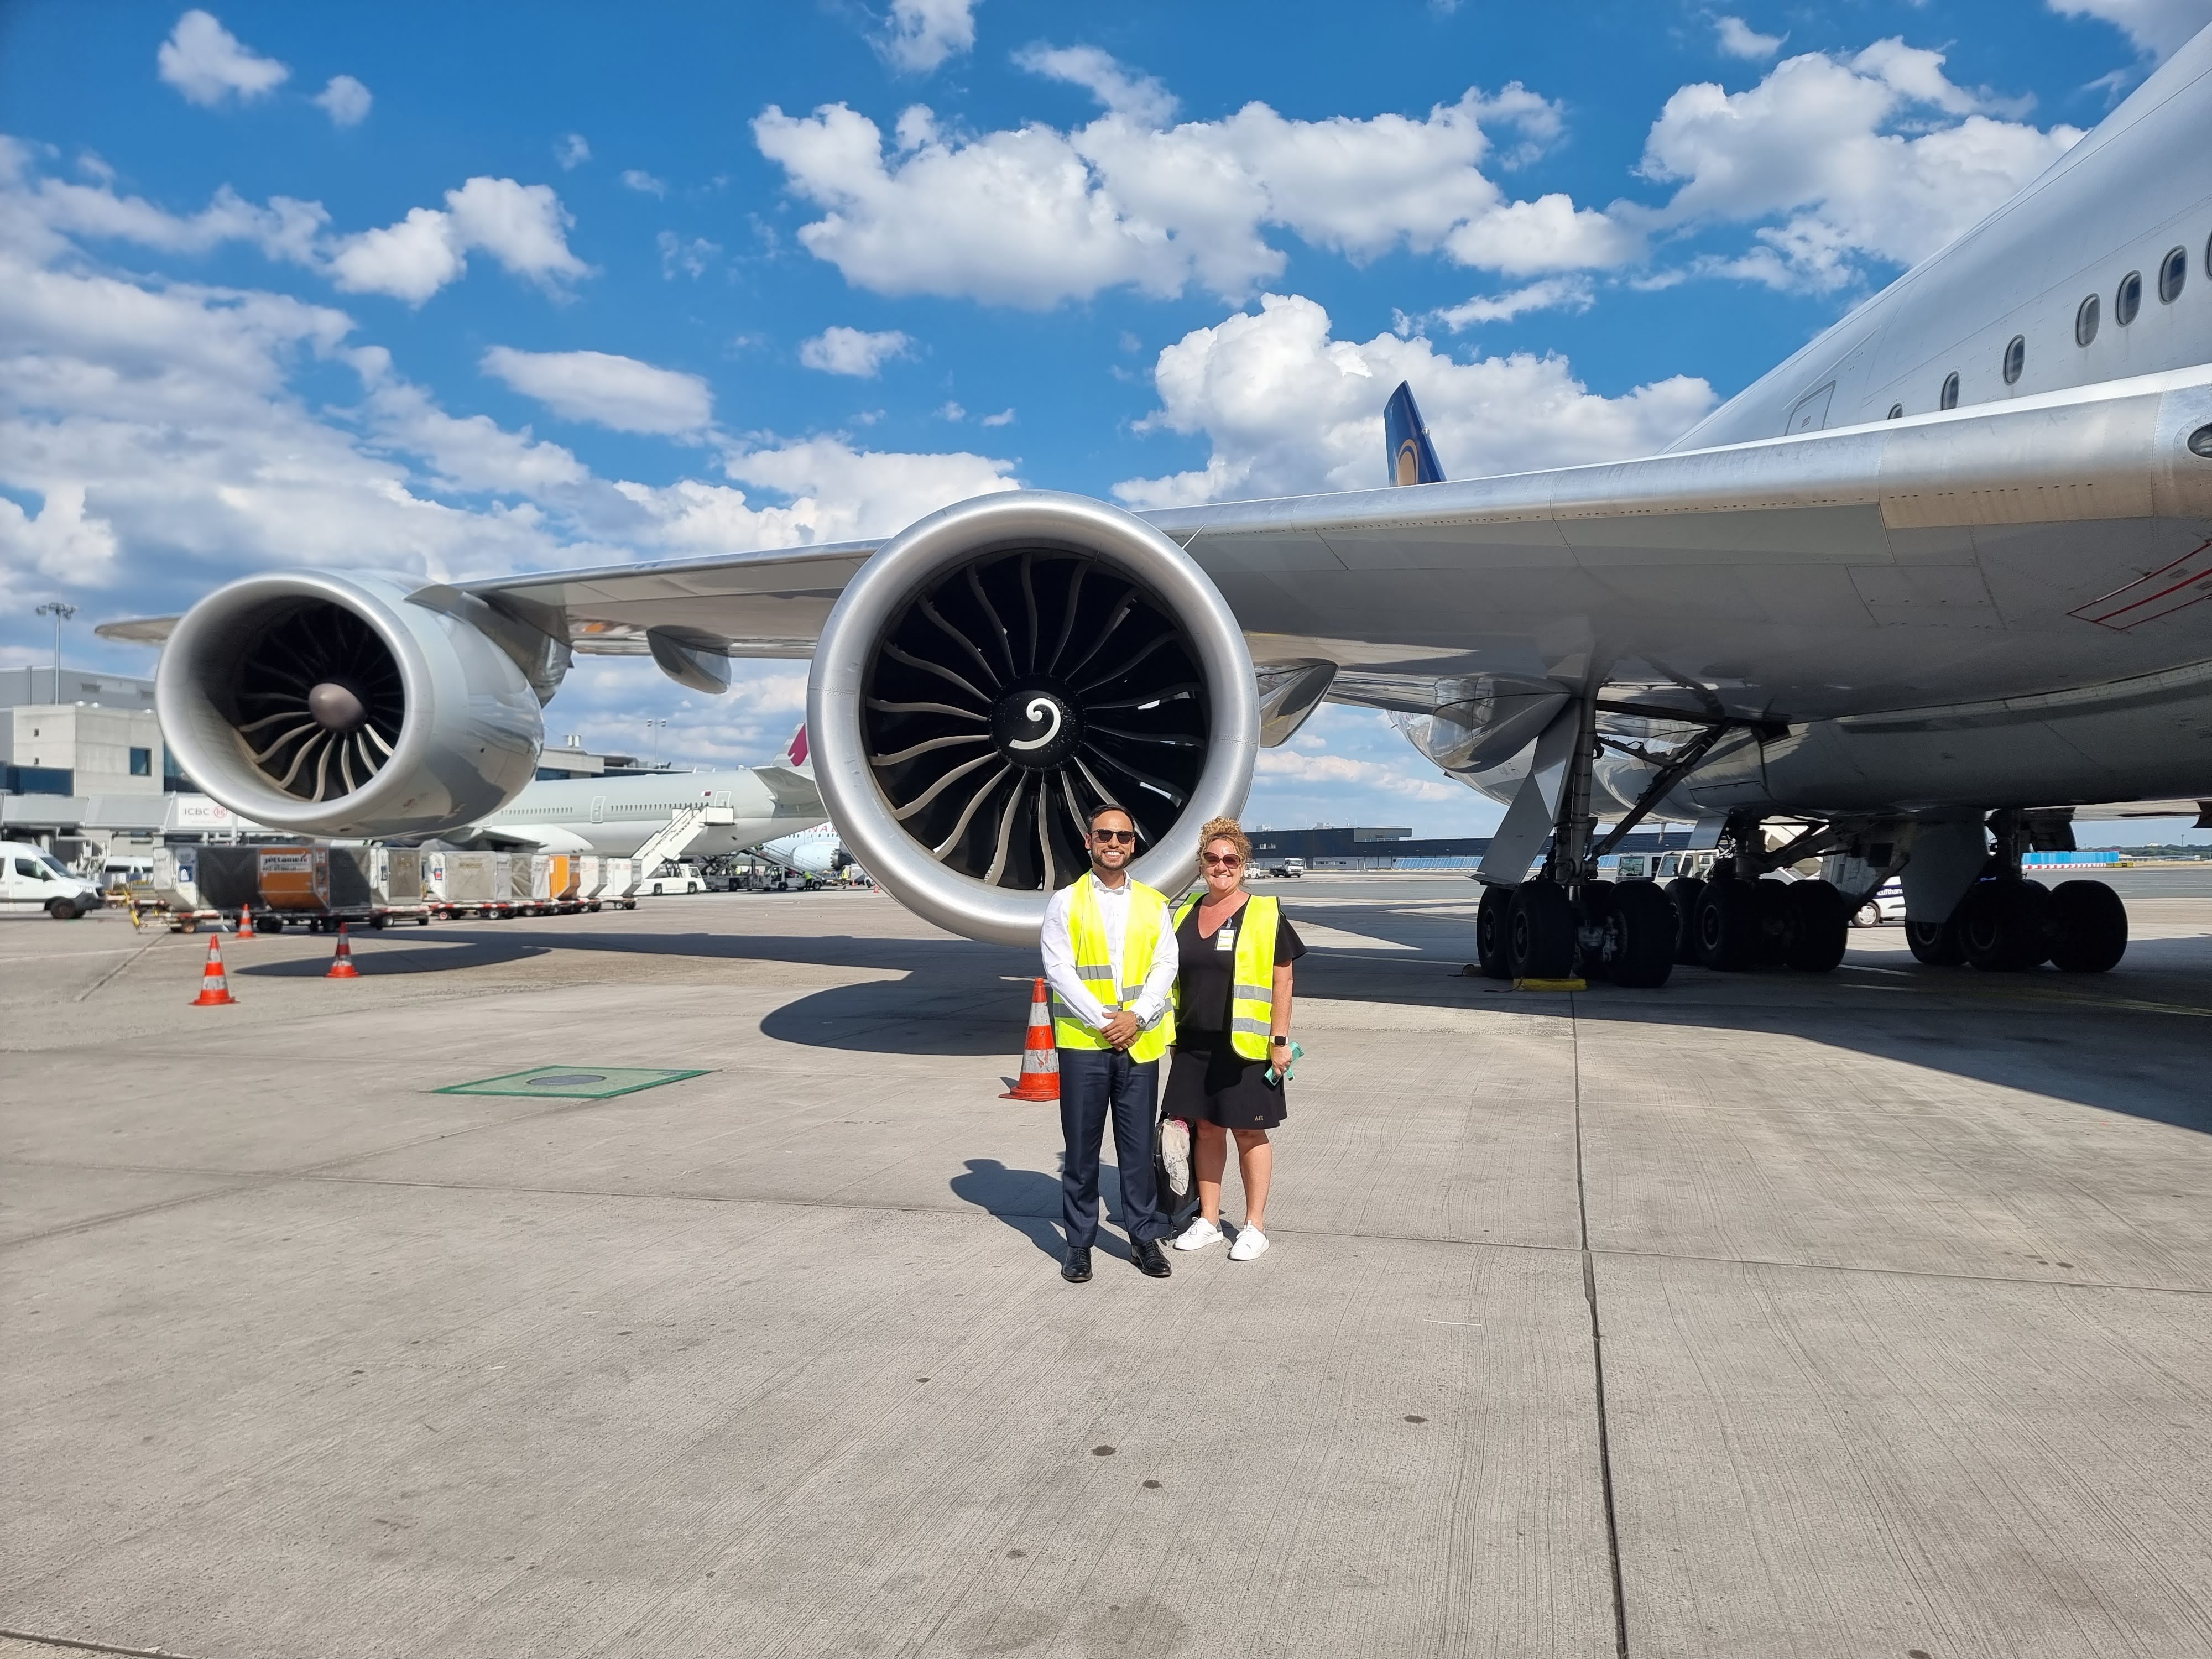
[1075, 1267]
[1150, 1259]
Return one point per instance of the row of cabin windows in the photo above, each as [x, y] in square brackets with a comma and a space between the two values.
[2127, 300]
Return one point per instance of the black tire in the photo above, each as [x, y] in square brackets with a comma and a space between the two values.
[1728, 925]
[1776, 922]
[2088, 927]
[1819, 925]
[1540, 932]
[1686, 892]
[269, 924]
[1935, 943]
[62, 911]
[2004, 925]
[1491, 932]
[1641, 928]
[1867, 916]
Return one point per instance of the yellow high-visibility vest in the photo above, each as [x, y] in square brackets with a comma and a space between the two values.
[1252, 990]
[1094, 965]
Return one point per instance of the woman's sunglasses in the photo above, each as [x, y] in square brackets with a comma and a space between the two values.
[1221, 861]
[1129, 836]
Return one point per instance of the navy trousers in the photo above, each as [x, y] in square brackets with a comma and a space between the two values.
[1094, 1082]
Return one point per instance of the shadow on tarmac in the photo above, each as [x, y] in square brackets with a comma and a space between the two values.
[2084, 1039]
[1027, 1201]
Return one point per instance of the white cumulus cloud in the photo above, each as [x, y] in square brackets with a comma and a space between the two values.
[1553, 293]
[921, 34]
[208, 63]
[615, 391]
[345, 100]
[1854, 156]
[572, 152]
[1035, 215]
[840, 350]
[1739, 39]
[2158, 27]
[1288, 409]
[642, 182]
[523, 227]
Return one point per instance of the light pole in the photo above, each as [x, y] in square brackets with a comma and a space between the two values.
[60, 612]
[653, 726]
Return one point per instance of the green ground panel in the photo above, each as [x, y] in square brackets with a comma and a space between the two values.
[571, 1082]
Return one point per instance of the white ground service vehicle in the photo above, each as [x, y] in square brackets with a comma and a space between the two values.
[1887, 905]
[1289, 869]
[675, 878]
[31, 879]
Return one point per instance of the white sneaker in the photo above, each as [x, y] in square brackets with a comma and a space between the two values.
[1250, 1242]
[1200, 1233]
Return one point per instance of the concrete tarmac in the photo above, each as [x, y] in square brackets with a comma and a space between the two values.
[1861, 1315]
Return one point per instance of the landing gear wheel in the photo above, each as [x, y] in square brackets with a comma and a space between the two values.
[1728, 925]
[1935, 943]
[1775, 923]
[1540, 932]
[1640, 929]
[1686, 892]
[1490, 930]
[2088, 927]
[2004, 925]
[1820, 928]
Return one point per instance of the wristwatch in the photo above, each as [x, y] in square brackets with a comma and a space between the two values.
[1281, 1039]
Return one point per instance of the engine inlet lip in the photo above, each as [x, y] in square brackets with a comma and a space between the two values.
[970, 532]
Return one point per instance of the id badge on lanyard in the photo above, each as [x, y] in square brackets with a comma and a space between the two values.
[1225, 938]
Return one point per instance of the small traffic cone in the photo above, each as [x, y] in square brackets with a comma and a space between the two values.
[245, 924]
[1039, 1079]
[215, 984]
[342, 964]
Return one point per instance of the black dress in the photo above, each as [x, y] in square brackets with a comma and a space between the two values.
[1210, 1081]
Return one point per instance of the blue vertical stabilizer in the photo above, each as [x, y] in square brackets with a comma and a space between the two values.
[1413, 458]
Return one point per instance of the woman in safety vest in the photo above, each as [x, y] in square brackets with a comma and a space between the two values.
[1233, 1030]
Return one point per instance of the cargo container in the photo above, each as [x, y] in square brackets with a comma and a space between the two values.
[317, 887]
[469, 884]
[618, 886]
[591, 877]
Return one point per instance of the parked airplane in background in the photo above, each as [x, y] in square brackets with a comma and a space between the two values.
[813, 852]
[713, 812]
[1908, 601]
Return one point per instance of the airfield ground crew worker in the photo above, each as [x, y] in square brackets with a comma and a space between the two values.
[1110, 957]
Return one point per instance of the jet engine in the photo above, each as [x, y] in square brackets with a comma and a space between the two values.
[1002, 667]
[350, 705]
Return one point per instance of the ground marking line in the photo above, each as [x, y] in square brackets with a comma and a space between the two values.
[1597, 1347]
[83, 1646]
[105, 978]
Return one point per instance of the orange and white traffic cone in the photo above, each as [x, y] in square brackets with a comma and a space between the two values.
[342, 964]
[245, 924]
[1039, 1079]
[215, 984]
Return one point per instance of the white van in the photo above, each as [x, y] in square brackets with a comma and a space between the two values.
[31, 879]
[676, 878]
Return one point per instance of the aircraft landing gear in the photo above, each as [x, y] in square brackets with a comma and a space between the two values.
[2003, 926]
[1540, 933]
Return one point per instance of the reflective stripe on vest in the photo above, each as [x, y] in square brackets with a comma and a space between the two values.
[1094, 966]
[1252, 991]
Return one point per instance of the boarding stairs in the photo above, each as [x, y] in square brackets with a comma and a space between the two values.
[669, 844]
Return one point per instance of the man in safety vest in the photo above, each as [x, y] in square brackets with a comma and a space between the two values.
[1109, 955]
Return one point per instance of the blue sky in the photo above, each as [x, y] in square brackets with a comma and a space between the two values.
[458, 290]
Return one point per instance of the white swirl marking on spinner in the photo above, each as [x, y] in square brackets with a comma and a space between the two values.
[1039, 709]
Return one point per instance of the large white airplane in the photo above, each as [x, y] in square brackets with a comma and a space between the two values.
[738, 807]
[1930, 585]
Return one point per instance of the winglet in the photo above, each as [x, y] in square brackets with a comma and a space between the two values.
[1411, 458]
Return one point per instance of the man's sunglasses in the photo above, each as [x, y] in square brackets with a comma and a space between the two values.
[1129, 836]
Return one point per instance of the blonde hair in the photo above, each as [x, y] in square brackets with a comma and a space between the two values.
[1226, 830]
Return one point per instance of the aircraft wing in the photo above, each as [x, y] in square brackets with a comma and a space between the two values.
[1868, 536]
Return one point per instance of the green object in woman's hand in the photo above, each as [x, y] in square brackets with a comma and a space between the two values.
[1297, 1054]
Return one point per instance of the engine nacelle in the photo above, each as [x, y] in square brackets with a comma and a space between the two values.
[1000, 668]
[335, 705]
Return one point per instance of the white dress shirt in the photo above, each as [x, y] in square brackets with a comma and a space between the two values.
[1059, 947]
